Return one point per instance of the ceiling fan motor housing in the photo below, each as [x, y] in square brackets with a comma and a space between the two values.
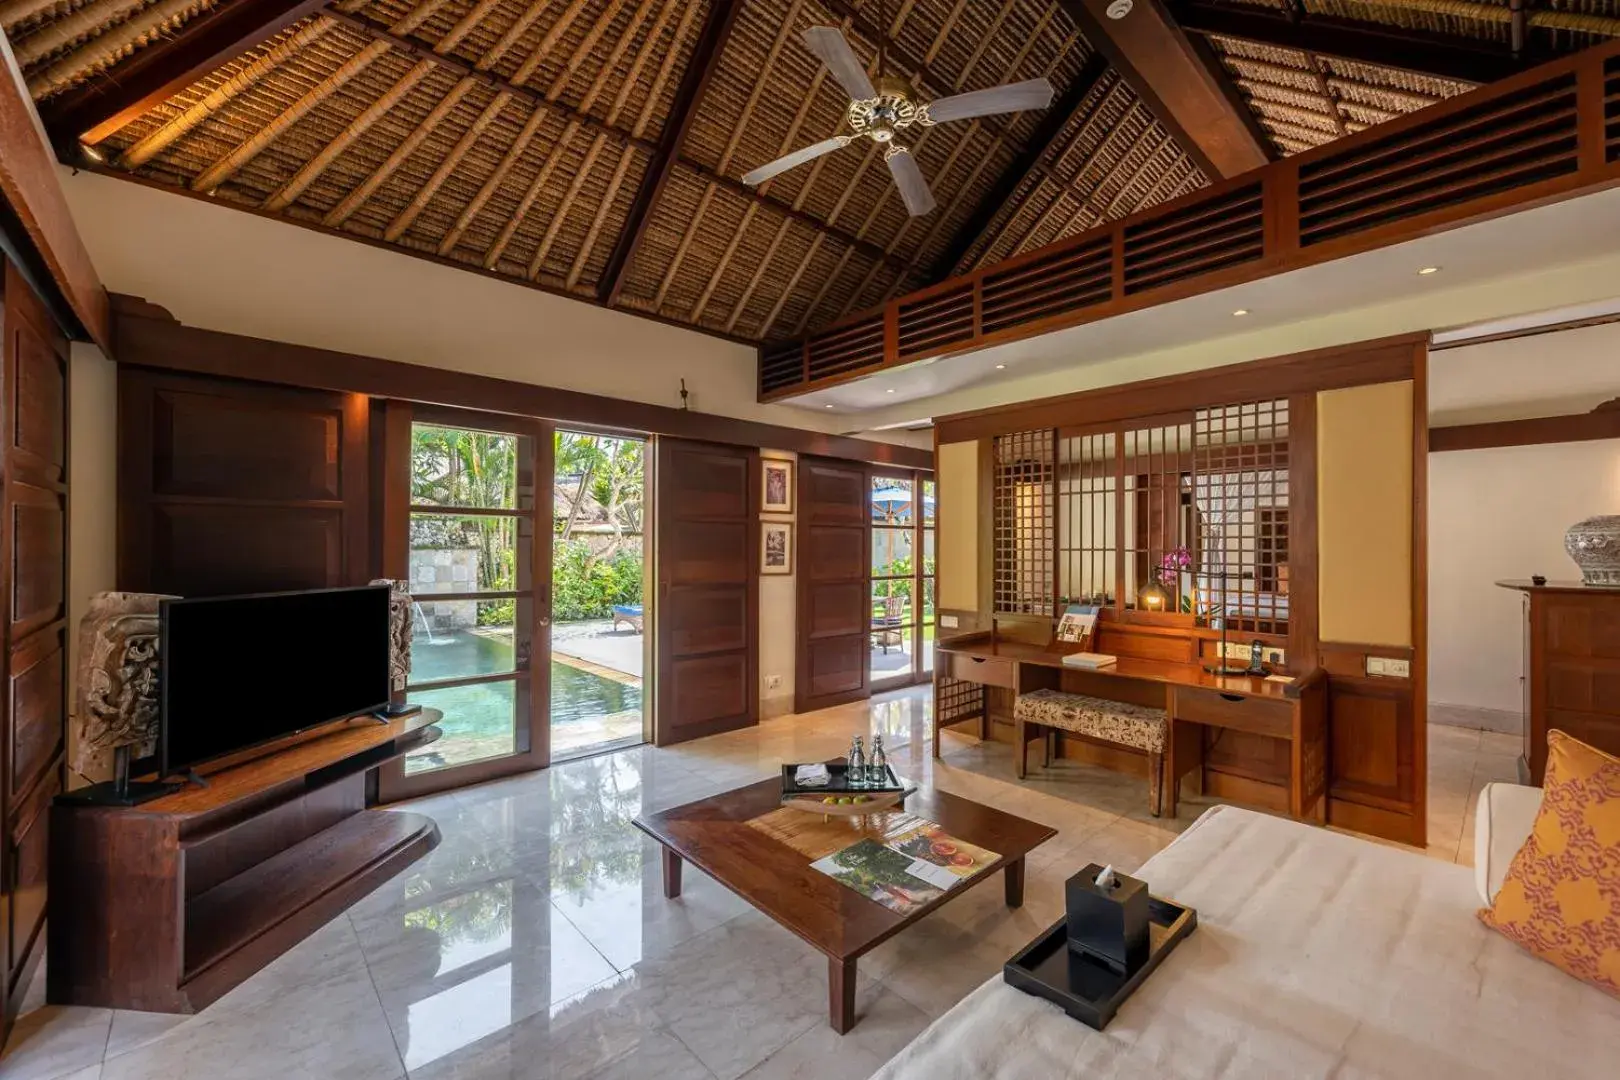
[881, 117]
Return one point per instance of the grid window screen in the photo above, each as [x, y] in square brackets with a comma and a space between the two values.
[1157, 508]
[1088, 552]
[1241, 496]
[1024, 523]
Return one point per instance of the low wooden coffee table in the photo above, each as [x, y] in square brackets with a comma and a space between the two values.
[716, 836]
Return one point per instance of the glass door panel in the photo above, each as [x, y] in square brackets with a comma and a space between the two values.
[598, 640]
[892, 648]
[926, 575]
[470, 539]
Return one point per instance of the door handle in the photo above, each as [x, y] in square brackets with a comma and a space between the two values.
[1232, 697]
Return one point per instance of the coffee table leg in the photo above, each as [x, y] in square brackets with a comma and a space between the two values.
[672, 873]
[841, 994]
[1014, 882]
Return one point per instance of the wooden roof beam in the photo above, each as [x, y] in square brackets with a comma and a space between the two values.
[700, 68]
[1155, 57]
[1439, 55]
[99, 107]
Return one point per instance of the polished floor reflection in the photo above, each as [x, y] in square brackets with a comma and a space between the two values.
[535, 942]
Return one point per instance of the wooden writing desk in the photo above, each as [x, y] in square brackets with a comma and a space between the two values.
[1192, 698]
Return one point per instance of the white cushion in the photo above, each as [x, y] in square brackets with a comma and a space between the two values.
[1502, 823]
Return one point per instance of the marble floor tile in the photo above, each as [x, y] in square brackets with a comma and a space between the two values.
[536, 942]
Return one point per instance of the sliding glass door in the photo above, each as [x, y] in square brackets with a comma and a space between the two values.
[473, 534]
[901, 515]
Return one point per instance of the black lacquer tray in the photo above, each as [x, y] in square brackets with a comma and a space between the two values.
[1083, 986]
[838, 782]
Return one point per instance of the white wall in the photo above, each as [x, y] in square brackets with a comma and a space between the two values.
[1501, 513]
[778, 619]
[92, 494]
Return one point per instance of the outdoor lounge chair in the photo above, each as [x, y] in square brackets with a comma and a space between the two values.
[627, 613]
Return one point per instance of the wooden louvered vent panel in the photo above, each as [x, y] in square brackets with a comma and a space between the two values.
[1611, 107]
[1503, 143]
[1061, 282]
[935, 323]
[781, 366]
[853, 347]
[1209, 235]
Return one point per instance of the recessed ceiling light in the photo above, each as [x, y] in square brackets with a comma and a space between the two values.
[1427, 270]
[92, 155]
[1240, 312]
[890, 390]
[1001, 367]
[826, 406]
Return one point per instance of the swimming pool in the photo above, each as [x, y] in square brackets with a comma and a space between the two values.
[478, 719]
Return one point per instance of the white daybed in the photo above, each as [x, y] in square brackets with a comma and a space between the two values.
[1316, 955]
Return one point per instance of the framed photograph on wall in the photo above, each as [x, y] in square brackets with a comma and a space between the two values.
[776, 547]
[776, 486]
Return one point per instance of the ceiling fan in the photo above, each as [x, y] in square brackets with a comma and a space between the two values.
[883, 110]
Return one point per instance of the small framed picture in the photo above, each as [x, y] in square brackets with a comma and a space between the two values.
[776, 547]
[776, 481]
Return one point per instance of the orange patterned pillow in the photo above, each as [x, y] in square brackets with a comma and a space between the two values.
[1561, 899]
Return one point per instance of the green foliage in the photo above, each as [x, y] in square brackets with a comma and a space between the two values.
[587, 588]
[497, 612]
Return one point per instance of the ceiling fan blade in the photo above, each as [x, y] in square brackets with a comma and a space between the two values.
[798, 157]
[1014, 97]
[909, 179]
[829, 44]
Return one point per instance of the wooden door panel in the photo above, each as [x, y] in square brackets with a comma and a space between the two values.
[28, 847]
[1372, 737]
[837, 667]
[834, 593]
[37, 706]
[38, 557]
[707, 689]
[39, 411]
[269, 446]
[709, 553]
[706, 621]
[203, 550]
[706, 482]
[834, 553]
[838, 610]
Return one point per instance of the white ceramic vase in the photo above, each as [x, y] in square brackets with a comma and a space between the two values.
[1594, 544]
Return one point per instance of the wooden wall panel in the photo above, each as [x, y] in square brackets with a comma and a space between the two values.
[235, 487]
[834, 598]
[706, 621]
[33, 619]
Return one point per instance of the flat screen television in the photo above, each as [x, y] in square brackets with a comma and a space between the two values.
[240, 671]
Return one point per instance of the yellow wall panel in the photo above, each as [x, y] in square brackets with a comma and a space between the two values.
[1364, 513]
[956, 468]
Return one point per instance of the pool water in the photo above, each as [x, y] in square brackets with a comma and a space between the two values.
[477, 720]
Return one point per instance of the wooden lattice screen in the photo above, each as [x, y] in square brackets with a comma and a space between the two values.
[1025, 525]
[957, 699]
[1241, 496]
[1088, 542]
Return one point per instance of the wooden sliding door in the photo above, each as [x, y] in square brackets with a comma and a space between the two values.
[33, 555]
[707, 619]
[467, 520]
[834, 611]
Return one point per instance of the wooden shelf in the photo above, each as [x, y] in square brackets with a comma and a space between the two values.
[166, 906]
[311, 881]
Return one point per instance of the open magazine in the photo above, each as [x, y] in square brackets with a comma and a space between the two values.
[908, 870]
[1078, 623]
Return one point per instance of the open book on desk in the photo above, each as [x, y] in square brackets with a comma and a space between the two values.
[1089, 661]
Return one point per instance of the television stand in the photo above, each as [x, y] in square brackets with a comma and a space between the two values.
[167, 905]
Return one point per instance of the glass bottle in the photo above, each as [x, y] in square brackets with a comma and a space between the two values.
[877, 770]
[857, 764]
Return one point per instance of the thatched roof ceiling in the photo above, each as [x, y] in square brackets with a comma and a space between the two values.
[550, 141]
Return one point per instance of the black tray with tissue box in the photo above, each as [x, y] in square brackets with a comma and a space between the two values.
[1108, 942]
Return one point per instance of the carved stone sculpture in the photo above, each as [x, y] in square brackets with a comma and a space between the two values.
[117, 693]
[399, 632]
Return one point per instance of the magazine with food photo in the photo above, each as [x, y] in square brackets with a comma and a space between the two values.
[913, 868]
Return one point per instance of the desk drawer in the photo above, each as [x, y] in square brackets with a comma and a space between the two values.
[1258, 716]
[985, 672]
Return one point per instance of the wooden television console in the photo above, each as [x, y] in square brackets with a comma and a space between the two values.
[165, 906]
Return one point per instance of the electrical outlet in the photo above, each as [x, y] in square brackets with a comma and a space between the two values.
[773, 682]
[1389, 668]
[1236, 650]
[947, 622]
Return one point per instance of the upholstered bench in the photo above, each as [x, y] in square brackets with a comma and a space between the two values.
[1139, 727]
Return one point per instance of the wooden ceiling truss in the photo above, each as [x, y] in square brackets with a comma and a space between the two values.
[594, 148]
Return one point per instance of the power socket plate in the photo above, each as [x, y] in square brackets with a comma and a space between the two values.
[1386, 667]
